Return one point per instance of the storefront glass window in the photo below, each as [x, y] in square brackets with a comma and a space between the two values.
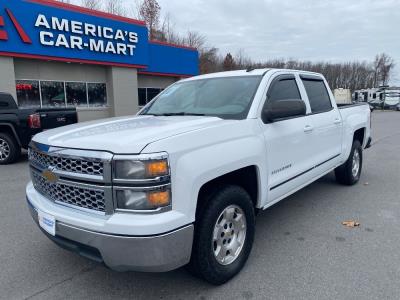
[142, 96]
[28, 93]
[76, 94]
[97, 94]
[147, 94]
[52, 94]
[151, 93]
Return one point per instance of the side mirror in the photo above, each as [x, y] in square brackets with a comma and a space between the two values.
[283, 109]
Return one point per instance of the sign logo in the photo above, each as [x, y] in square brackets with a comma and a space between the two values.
[49, 175]
[22, 34]
[72, 34]
[3, 33]
[51, 31]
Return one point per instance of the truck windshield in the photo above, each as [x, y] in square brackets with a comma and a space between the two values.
[225, 97]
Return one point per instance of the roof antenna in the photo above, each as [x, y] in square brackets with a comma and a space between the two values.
[249, 69]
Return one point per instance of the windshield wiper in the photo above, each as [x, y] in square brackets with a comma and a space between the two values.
[177, 114]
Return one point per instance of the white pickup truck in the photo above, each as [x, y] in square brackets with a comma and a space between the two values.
[180, 183]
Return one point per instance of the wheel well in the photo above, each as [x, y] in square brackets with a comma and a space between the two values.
[359, 135]
[8, 130]
[246, 178]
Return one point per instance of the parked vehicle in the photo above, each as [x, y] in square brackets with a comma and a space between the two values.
[181, 182]
[383, 97]
[391, 100]
[17, 126]
[342, 96]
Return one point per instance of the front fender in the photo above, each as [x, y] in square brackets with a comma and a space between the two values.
[201, 156]
[199, 167]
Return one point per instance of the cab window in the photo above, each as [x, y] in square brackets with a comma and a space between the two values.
[317, 95]
[284, 88]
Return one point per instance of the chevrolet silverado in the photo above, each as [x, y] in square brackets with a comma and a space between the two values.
[181, 182]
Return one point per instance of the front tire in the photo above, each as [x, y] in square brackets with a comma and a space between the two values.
[9, 149]
[224, 234]
[349, 173]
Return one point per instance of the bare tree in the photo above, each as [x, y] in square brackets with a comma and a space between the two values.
[242, 60]
[210, 61]
[195, 40]
[383, 68]
[115, 7]
[149, 11]
[229, 63]
[351, 75]
[91, 4]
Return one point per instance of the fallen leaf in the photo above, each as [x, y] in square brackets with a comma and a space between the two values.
[351, 224]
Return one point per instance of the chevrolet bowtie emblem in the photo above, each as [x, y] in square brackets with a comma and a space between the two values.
[49, 175]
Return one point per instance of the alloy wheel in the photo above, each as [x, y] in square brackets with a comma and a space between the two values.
[229, 235]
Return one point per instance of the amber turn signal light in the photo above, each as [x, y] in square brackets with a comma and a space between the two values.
[157, 168]
[159, 198]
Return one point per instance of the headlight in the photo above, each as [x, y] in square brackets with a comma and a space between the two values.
[131, 199]
[140, 169]
[142, 182]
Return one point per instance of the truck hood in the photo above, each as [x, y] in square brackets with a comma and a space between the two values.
[127, 135]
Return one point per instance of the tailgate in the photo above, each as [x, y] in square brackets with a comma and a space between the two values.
[53, 118]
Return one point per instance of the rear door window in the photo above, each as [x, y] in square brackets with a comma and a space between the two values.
[317, 95]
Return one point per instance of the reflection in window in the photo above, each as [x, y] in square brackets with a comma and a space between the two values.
[28, 93]
[97, 94]
[76, 94]
[142, 96]
[52, 94]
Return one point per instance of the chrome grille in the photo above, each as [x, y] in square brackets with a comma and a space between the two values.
[83, 197]
[67, 164]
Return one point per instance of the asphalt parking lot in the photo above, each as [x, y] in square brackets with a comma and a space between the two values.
[301, 250]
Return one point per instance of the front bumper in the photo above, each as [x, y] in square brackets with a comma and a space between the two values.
[157, 253]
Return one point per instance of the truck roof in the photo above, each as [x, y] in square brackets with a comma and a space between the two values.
[253, 72]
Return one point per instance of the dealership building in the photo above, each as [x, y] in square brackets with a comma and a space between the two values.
[59, 55]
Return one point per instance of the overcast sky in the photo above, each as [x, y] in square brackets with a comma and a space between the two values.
[308, 29]
[332, 30]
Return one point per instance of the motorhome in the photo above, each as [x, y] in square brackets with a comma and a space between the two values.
[389, 97]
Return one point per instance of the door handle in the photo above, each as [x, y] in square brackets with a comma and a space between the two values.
[337, 121]
[308, 128]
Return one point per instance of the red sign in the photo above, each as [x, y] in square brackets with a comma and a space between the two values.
[24, 87]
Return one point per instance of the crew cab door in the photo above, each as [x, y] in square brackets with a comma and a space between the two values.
[326, 133]
[287, 140]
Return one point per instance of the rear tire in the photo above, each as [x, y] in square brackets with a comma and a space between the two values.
[349, 173]
[224, 234]
[10, 151]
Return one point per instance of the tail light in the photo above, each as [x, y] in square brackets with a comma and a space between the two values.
[34, 121]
